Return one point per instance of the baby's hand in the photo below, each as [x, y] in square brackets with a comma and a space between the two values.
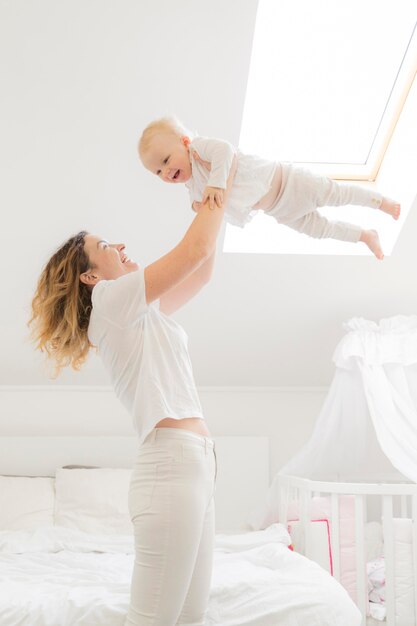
[215, 197]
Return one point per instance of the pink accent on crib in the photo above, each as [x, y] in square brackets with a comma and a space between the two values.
[329, 543]
[320, 510]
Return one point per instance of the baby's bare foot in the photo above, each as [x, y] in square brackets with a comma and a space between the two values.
[391, 207]
[371, 239]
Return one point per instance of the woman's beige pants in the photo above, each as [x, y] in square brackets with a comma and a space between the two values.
[171, 504]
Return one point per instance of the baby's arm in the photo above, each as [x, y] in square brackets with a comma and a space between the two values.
[220, 155]
[196, 206]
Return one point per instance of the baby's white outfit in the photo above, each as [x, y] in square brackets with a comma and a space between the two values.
[300, 195]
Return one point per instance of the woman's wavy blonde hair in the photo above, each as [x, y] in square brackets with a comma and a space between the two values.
[61, 307]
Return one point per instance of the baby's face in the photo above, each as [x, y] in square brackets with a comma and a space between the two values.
[168, 157]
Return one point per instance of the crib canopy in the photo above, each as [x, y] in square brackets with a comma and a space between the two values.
[367, 428]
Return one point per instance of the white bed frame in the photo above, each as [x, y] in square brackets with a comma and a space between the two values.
[242, 476]
[399, 497]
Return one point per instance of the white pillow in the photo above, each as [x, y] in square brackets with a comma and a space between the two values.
[93, 500]
[26, 503]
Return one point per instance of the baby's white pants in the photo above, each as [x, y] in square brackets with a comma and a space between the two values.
[171, 503]
[302, 192]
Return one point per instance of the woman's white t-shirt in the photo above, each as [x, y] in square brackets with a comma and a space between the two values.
[145, 353]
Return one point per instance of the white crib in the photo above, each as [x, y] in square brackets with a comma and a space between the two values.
[395, 501]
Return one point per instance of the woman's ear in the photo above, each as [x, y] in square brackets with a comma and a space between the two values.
[185, 140]
[88, 278]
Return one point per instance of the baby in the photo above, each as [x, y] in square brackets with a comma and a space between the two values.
[289, 194]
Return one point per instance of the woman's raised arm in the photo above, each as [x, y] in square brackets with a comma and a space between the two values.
[197, 245]
[180, 293]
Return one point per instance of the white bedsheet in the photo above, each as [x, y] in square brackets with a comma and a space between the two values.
[61, 577]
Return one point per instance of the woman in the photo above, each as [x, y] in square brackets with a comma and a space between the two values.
[92, 294]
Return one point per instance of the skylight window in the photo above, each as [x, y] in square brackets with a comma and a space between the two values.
[326, 85]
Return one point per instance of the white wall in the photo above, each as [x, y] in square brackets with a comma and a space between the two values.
[285, 416]
[80, 79]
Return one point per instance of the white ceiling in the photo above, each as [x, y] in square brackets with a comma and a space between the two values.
[80, 80]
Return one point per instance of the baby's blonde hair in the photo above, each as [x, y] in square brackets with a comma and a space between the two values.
[164, 125]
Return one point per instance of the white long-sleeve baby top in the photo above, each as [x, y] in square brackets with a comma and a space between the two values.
[252, 179]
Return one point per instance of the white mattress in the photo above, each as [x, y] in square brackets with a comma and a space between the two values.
[62, 577]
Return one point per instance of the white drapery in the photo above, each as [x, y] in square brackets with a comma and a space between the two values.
[367, 429]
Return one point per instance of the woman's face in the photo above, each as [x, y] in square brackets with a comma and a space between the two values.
[108, 260]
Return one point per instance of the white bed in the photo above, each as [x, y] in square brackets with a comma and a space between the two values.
[78, 573]
[65, 577]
